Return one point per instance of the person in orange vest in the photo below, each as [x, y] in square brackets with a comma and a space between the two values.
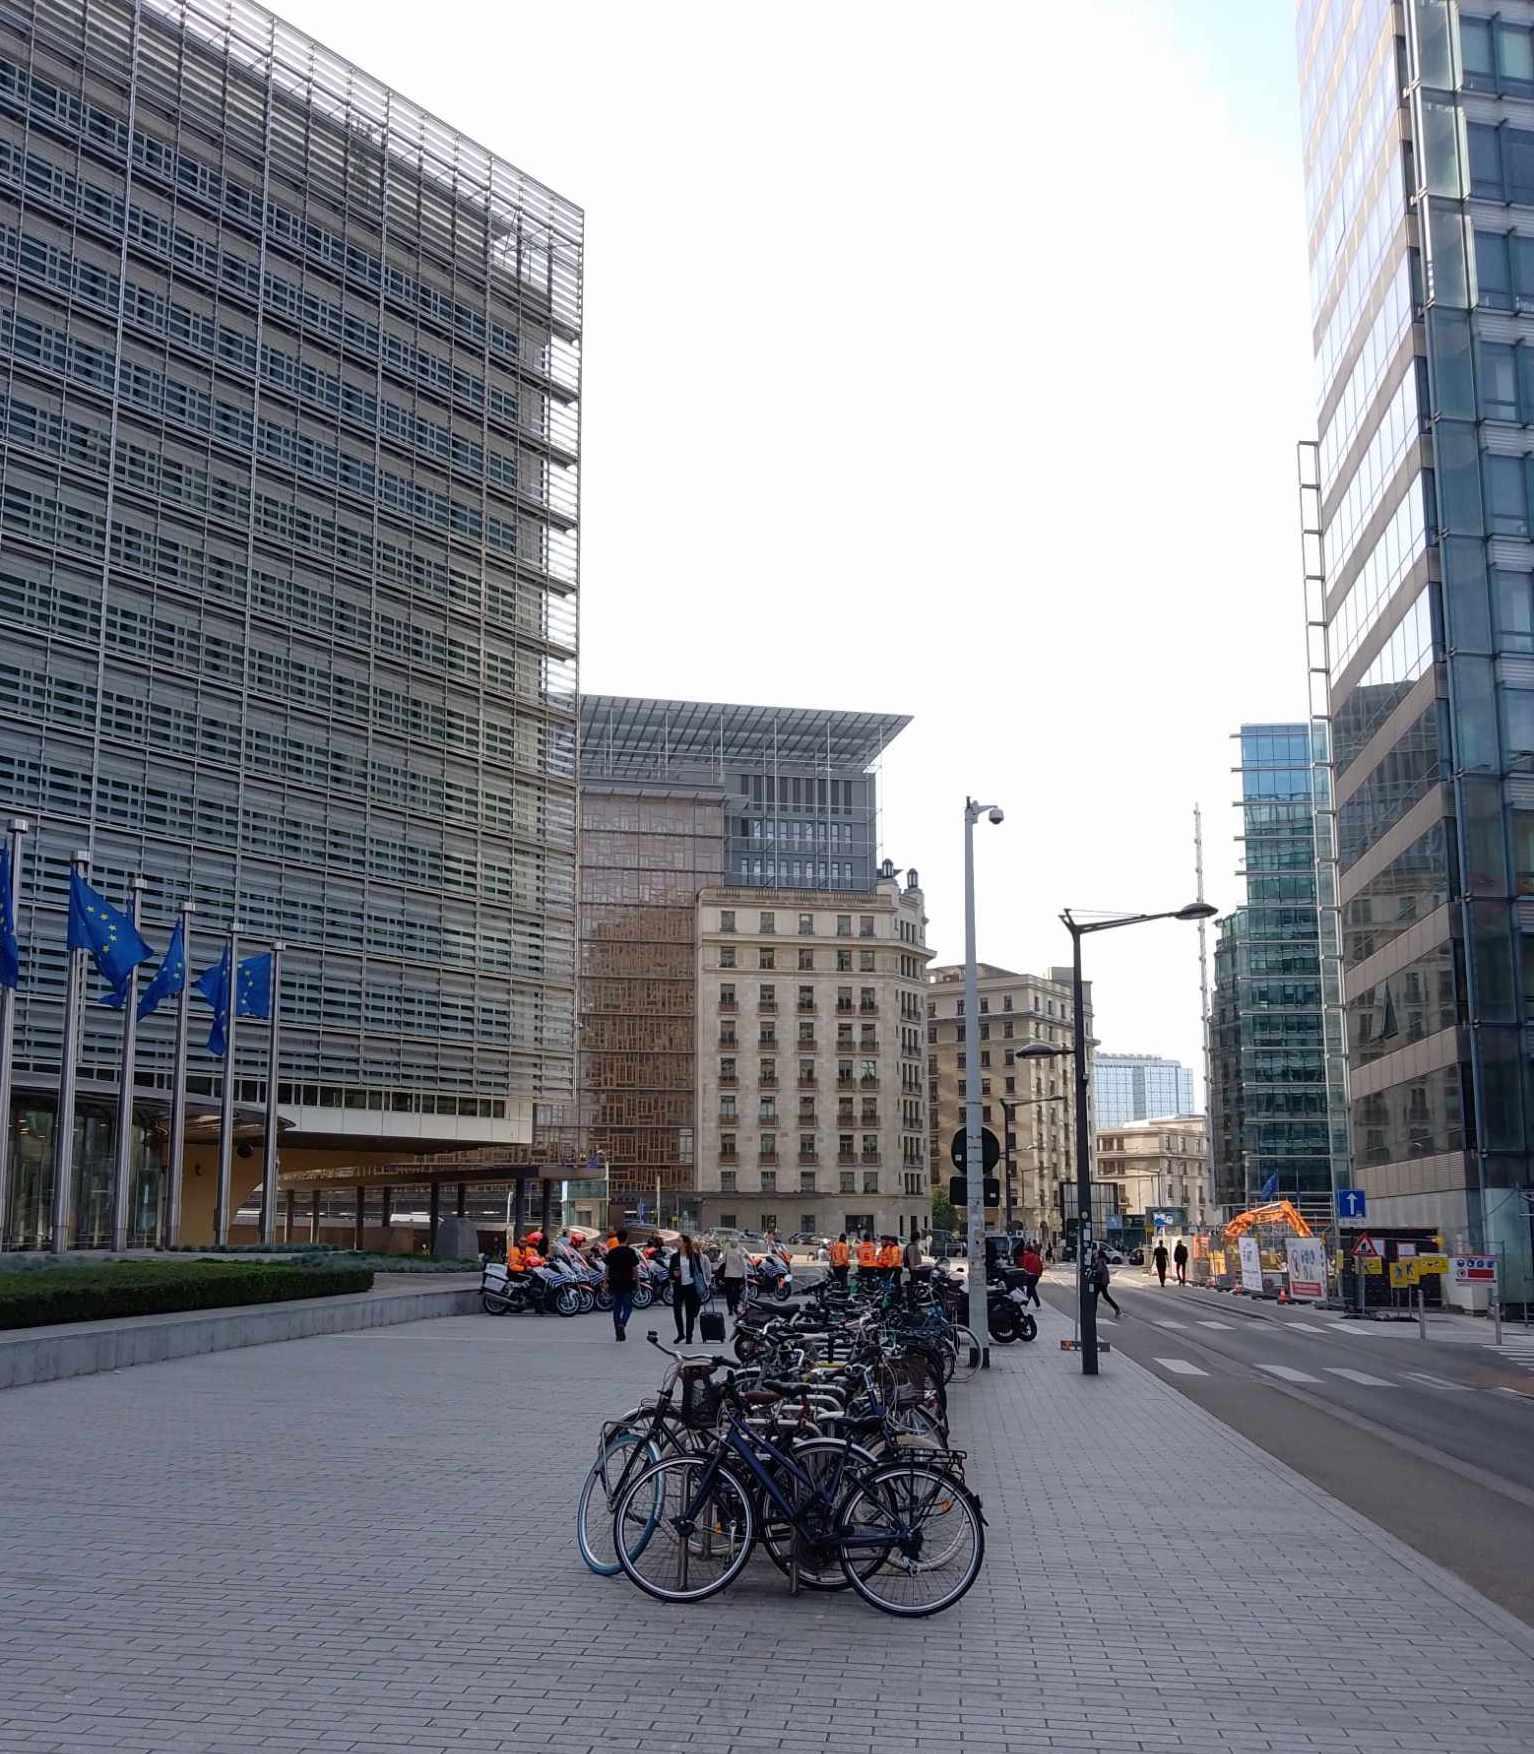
[889, 1261]
[515, 1264]
[841, 1255]
[868, 1263]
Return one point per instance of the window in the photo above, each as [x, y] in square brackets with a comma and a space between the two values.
[1006, 1005]
[1515, 57]
[727, 1219]
[767, 996]
[727, 1148]
[806, 924]
[1475, 52]
[1011, 1086]
[806, 961]
[769, 1221]
[847, 1182]
[726, 995]
[727, 920]
[727, 956]
[1498, 381]
[767, 957]
[866, 961]
[769, 1182]
[807, 1219]
[769, 922]
[870, 1181]
[1507, 500]
[844, 925]
[727, 1073]
[807, 1150]
[844, 962]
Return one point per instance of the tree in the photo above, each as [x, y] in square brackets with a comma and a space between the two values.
[942, 1213]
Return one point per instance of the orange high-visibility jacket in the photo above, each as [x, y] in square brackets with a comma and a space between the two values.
[889, 1255]
[840, 1254]
[868, 1255]
[514, 1261]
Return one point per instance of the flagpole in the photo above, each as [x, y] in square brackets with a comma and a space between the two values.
[269, 1158]
[178, 1084]
[122, 1175]
[64, 1120]
[222, 1213]
[8, 1040]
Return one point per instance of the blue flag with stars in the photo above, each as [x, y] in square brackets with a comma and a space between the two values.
[113, 940]
[10, 950]
[253, 995]
[169, 978]
[1269, 1188]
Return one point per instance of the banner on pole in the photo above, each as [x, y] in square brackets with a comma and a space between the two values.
[1307, 1267]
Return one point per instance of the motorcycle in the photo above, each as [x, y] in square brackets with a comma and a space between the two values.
[1006, 1311]
[769, 1277]
[499, 1293]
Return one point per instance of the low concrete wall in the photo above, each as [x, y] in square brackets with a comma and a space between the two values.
[39, 1355]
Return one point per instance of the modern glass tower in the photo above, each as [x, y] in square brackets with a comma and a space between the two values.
[1419, 159]
[1135, 1087]
[289, 430]
[1269, 1090]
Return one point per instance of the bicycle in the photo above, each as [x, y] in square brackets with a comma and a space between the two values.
[698, 1516]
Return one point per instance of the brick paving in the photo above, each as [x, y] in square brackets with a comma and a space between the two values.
[365, 1542]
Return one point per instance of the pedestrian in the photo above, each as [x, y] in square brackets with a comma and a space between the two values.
[622, 1265]
[1031, 1264]
[889, 1264]
[690, 1276]
[1180, 1261]
[868, 1264]
[1160, 1257]
[916, 1273]
[1049, 1253]
[734, 1275]
[1100, 1279]
[841, 1258]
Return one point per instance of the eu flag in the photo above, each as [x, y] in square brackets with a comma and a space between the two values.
[1269, 1188]
[253, 994]
[10, 950]
[169, 978]
[111, 937]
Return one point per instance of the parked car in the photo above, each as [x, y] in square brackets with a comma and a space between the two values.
[1137, 1257]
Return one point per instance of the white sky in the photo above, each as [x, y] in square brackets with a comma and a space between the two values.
[945, 360]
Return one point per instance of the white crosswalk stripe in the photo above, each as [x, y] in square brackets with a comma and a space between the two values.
[1361, 1377]
[1439, 1382]
[1224, 1325]
[1309, 1328]
[1288, 1373]
[1157, 1322]
[1181, 1367]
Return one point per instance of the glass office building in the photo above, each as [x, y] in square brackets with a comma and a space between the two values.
[1135, 1087]
[1269, 1093]
[1419, 511]
[289, 429]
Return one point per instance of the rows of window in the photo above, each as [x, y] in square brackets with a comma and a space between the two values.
[1501, 163]
[1504, 270]
[211, 811]
[792, 833]
[841, 963]
[67, 607]
[1496, 55]
[1375, 234]
[1407, 890]
[1423, 1117]
[797, 873]
[157, 548]
[1405, 773]
[1404, 657]
[1398, 430]
[325, 536]
[1399, 547]
[203, 185]
[163, 396]
[1379, 348]
[767, 923]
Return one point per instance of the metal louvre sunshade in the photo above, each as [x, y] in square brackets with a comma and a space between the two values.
[630, 734]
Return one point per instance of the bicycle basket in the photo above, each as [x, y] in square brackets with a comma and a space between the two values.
[701, 1399]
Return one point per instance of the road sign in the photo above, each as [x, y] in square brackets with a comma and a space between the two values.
[1371, 1264]
[958, 1190]
[1351, 1203]
[1367, 1249]
[1475, 1269]
[1427, 1264]
[990, 1149]
[1403, 1273]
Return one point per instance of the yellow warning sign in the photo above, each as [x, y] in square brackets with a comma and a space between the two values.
[1403, 1273]
[1371, 1264]
[1432, 1264]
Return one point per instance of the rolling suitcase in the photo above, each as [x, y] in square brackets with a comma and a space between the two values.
[711, 1327]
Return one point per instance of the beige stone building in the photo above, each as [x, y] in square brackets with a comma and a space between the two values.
[1159, 1165]
[812, 1109]
[1027, 1104]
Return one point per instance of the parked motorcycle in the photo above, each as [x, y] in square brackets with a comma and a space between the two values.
[769, 1277]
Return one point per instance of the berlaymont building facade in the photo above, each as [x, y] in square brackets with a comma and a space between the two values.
[290, 438]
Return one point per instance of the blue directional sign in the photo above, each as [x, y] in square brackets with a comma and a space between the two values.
[1351, 1203]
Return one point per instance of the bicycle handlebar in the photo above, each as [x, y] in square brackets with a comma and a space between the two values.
[714, 1362]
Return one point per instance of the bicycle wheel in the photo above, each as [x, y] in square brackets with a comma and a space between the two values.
[812, 1542]
[702, 1537]
[622, 1461]
[935, 1539]
[967, 1355]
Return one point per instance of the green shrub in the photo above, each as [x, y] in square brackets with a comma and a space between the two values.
[121, 1288]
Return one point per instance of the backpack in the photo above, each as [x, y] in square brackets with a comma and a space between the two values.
[1100, 1276]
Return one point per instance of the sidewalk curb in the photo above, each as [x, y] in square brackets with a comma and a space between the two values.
[1390, 1547]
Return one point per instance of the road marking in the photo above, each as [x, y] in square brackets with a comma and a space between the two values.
[1439, 1382]
[1307, 1328]
[1181, 1367]
[1288, 1374]
[1361, 1377]
[1224, 1325]
[1158, 1323]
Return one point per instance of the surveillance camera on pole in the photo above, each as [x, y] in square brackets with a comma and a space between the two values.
[974, 1132]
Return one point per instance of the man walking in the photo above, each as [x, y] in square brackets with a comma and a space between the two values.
[1030, 1263]
[1160, 1257]
[1100, 1280]
[734, 1275]
[622, 1275]
[1180, 1261]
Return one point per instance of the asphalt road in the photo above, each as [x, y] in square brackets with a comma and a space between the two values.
[1434, 1442]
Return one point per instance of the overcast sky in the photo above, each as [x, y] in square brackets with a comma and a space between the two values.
[941, 360]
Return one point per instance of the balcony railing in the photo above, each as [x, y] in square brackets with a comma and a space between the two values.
[806, 1004]
[844, 1007]
[806, 1080]
[726, 1004]
[729, 1078]
[766, 1004]
[768, 1080]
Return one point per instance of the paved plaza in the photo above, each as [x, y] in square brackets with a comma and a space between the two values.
[365, 1542]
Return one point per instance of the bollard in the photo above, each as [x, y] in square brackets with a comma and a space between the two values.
[1496, 1310]
[1421, 1315]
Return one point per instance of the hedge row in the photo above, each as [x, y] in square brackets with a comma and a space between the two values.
[93, 1293]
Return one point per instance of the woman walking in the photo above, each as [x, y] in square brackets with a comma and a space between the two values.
[689, 1274]
[734, 1275]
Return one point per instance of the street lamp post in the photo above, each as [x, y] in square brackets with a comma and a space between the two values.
[1078, 929]
[1033, 1050]
[974, 1154]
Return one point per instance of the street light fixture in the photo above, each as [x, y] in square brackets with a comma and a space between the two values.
[1031, 1050]
[1078, 929]
[974, 1153]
